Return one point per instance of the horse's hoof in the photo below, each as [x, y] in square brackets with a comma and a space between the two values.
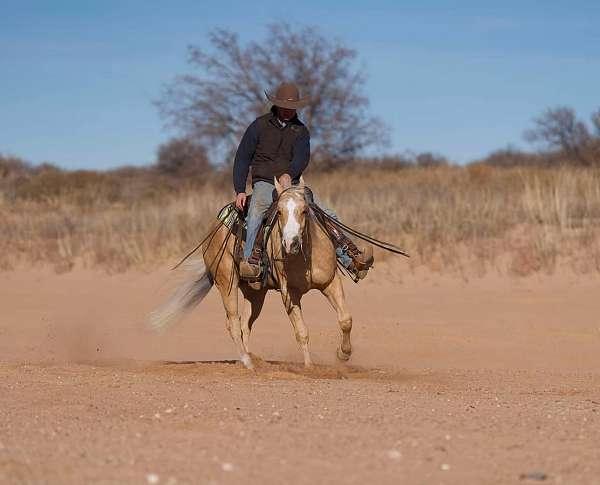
[247, 361]
[343, 355]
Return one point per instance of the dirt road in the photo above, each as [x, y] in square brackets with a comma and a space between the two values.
[494, 380]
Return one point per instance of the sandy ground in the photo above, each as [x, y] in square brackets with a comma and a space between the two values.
[492, 380]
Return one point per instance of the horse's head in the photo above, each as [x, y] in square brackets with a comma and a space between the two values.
[293, 209]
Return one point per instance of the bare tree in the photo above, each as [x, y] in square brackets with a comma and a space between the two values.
[12, 167]
[216, 103]
[181, 157]
[594, 145]
[559, 129]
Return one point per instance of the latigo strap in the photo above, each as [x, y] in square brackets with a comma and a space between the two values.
[327, 221]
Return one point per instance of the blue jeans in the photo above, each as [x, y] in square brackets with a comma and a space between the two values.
[262, 197]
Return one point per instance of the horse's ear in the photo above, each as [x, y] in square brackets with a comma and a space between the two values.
[278, 186]
[301, 183]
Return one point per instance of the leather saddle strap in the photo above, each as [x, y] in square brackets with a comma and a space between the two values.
[343, 227]
[344, 243]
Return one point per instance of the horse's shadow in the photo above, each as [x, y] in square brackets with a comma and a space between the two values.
[291, 370]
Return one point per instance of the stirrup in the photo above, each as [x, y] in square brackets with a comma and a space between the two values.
[361, 263]
[365, 258]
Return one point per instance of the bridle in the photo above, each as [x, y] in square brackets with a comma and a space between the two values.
[307, 193]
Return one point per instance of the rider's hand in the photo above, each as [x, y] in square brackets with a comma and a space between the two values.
[285, 180]
[240, 200]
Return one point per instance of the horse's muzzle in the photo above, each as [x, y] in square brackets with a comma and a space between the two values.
[291, 246]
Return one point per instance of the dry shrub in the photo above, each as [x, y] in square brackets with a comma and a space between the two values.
[465, 220]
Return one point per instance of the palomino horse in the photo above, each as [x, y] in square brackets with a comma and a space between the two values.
[303, 258]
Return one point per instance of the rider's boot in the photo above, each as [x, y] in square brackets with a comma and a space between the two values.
[250, 269]
[363, 261]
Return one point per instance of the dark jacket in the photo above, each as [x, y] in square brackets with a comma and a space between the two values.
[271, 151]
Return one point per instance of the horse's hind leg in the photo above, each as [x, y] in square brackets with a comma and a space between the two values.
[230, 302]
[291, 300]
[253, 303]
[335, 294]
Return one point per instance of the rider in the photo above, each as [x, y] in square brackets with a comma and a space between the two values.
[277, 144]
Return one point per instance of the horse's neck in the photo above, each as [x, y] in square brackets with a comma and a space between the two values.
[319, 239]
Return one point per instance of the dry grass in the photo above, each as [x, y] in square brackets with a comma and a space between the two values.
[466, 220]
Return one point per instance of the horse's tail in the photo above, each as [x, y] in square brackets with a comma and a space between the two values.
[195, 285]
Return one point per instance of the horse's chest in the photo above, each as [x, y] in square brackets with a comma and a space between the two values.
[303, 276]
[297, 274]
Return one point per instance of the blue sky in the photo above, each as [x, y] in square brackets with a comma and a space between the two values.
[461, 78]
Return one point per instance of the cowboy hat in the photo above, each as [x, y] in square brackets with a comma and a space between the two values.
[287, 96]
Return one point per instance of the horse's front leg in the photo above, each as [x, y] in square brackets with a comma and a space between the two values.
[291, 300]
[335, 294]
[230, 302]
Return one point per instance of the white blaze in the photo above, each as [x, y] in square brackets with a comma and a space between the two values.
[292, 227]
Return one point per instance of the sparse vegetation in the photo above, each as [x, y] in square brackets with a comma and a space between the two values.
[466, 220]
